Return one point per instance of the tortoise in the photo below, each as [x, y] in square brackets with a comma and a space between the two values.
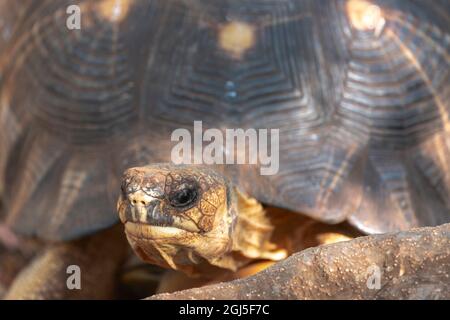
[357, 89]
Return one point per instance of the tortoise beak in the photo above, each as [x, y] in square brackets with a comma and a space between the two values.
[142, 209]
[139, 207]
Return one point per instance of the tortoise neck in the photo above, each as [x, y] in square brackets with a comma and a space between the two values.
[253, 229]
[250, 234]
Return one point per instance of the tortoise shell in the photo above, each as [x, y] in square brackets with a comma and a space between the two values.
[360, 92]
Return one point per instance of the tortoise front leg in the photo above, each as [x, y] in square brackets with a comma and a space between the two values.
[99, 258]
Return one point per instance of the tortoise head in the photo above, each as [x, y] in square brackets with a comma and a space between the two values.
[177, 216]
[190, 218]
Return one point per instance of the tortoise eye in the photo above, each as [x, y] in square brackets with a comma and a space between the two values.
[184, 197]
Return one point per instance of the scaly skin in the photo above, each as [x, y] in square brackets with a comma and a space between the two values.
[99, 257]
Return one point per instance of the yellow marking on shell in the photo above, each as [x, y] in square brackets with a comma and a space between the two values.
[439, 47]
[443, 164]
[71, 185]
[410, 56]
[326, 192]
[114, 10]
[365, 16]
[236, 38]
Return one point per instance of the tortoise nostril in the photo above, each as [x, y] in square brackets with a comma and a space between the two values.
[135, 202]
[138, 199]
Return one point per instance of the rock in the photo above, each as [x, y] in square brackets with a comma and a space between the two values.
[413, 264]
